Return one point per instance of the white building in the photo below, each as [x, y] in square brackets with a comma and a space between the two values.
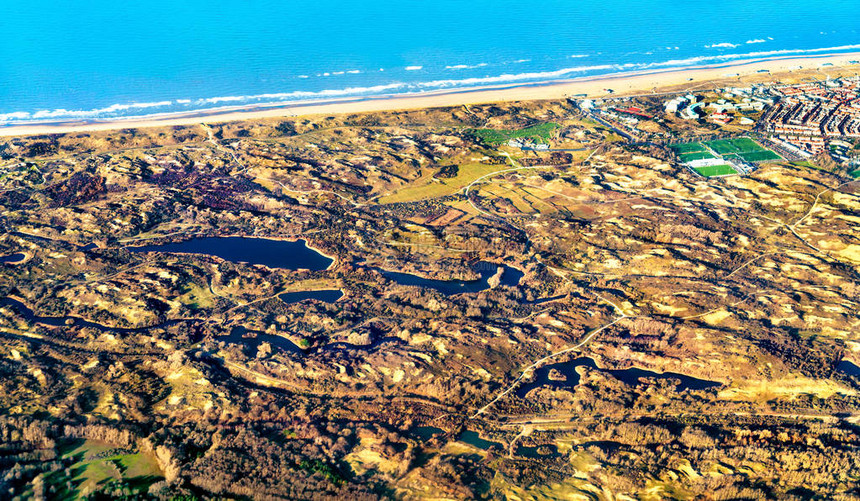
[692, 112]
[675, 104]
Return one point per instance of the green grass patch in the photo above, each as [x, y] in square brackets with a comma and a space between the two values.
[805, 163]
[687, 148]
[428, 187]
[96, 465]
[196, 296]
[328, 471]
[698, 155]
[760, 156]
[743, 148]
[716, 170]
[541, 133]
[722, 146]
[738, 145]
[745, 144]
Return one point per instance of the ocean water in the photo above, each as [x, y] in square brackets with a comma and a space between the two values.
[100, 59]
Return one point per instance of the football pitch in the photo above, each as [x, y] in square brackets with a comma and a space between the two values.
[743, 147]
[730, 150]
[691, 151]
[716, 170]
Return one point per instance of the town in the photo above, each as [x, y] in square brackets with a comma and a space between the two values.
[812, 117]
[729, 130]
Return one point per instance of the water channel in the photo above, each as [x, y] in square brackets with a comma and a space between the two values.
[633, 377]
[510, 278]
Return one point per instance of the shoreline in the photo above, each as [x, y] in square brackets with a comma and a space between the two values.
[622, 84]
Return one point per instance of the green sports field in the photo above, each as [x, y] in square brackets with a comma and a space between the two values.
[716, 170]
[760, 156]
[696, 155]
[742, 147]
[722, 146]
[737, 149]
[688, 152]
[687, 148]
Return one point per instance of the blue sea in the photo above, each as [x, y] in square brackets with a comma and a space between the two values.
[103, 59]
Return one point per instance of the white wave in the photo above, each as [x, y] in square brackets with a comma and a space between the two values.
[748, 55]
[508, 78]
[465, 66]
[15, 115]
[578, 56]
[299, 94]
[330, 73]
[756, 40]
[414, 68]
[223, 99]
[692, 61]
[723, 45]
[183, 101]
[303, 76]
[60, 113]
[131, 106]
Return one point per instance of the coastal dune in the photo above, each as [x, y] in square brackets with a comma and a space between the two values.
[644, 82]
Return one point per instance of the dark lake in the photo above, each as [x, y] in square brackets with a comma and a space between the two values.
[328, 296]
[425, 432]
[510, 277]
[474, 439]
[848, 368]
[632, 377]
[272, 253]
[253, 339]
[12, 258]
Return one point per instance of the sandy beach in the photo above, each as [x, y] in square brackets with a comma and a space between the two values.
[665, 80]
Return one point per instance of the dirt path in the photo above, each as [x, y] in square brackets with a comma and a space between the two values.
[541, 361]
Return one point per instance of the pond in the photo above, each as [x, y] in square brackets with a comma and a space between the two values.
[12, 258]
[425, 432]
[272, 253]
[848, 368]
[474, 439]
[632, 377]
[510, 278]
[253, 339]
[327, 296]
